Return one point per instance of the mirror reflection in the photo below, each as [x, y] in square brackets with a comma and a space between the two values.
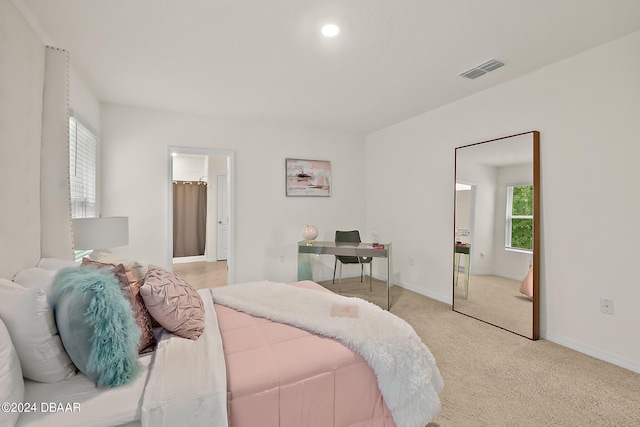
[495, 259]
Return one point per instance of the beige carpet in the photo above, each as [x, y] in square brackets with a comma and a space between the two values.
[496, 300]
[496, 378]
[352, 287]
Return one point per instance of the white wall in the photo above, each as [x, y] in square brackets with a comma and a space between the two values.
[586, 108]
[190, 167]
[267, 223]
[83, 101]
[21, 83]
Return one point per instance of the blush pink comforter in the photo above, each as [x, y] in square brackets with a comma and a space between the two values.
[279, 375]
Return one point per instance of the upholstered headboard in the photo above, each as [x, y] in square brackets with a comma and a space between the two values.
[34, 198]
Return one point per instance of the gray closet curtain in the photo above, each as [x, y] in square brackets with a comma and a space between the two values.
[189, 218]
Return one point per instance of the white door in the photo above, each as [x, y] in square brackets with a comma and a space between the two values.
[222, 217]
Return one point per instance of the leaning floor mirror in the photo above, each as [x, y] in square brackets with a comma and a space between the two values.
[497, 233]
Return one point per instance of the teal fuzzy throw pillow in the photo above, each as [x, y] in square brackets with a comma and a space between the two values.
[96, 325]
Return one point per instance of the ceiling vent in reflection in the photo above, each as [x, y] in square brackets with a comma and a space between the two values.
[482, 69]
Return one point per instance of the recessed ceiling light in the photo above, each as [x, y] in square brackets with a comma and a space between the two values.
[330, 30]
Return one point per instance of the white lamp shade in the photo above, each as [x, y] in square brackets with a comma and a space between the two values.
[100, 233]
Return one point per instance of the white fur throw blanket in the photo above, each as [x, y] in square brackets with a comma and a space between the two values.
[407, 374]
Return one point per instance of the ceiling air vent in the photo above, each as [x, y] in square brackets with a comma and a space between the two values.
[482, 69]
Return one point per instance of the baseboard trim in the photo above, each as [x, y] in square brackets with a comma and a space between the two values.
[422, 292]
[187, 259]
[593, 352]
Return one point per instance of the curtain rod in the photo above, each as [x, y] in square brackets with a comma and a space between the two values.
[191, 182]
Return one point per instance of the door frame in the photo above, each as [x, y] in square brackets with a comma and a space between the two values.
[230, 155]
[217, 221]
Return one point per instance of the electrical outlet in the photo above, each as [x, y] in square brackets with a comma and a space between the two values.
[606, 305]
[410, 260]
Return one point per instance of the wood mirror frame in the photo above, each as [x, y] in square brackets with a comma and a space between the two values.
[500, 164]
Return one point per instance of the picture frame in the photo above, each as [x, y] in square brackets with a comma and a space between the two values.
[311, 178]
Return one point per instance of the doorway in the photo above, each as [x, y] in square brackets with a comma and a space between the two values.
[465, 216]
[213, 170]
[191, 192]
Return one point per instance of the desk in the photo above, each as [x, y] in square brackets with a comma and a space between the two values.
[463, 249]
[305, 249]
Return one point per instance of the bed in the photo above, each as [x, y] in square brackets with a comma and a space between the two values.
[251, 366]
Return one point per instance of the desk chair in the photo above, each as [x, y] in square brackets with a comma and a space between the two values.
[351, 237]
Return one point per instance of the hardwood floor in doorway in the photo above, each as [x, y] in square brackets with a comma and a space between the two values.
[203, 274]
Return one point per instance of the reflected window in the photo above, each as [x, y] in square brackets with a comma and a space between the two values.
[519, 233]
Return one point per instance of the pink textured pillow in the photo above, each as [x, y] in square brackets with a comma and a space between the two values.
[173, 303]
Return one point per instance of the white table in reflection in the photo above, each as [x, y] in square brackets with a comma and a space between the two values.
[463, 249]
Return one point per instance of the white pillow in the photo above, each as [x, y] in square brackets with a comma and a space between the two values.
[56, 263]
[36, 277]
[31, 324]
[11, 382]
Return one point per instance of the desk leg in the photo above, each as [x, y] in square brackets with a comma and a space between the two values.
[466, 276]
[304, 267]
[389, 278]
[456, 268]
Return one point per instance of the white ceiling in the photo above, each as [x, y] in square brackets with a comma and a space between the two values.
[265, 60]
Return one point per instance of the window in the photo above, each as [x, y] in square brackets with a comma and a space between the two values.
[82, 169]
[83, 147]
[519, 233]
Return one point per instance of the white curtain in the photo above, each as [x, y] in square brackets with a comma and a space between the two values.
[55, 205]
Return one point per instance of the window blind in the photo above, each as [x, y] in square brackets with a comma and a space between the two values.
[82, 169]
